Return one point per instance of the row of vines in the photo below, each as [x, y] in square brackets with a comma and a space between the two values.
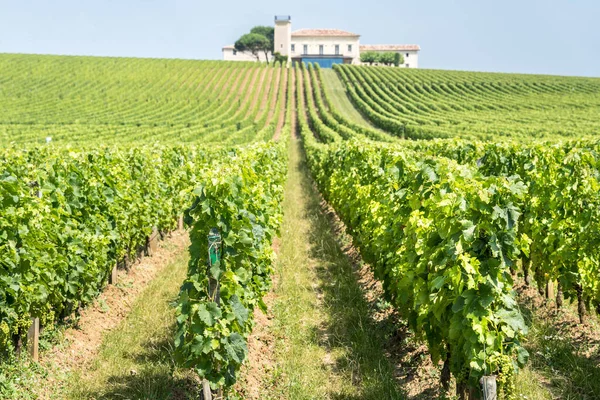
[446, 224]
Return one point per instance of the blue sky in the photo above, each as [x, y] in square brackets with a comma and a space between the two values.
[529, 36]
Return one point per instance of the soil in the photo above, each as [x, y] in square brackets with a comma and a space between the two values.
[264, 96]
[261, 348]
[81, 343]
[281, 121]
[585, 337]
[255, 89]
[274, 94]
[413, 368]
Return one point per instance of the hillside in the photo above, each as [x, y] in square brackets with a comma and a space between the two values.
[474, 105]
[87, 100]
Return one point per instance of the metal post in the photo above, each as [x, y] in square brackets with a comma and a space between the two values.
[214, 257]
[488, 385]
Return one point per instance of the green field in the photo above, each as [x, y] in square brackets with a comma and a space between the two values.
[463, 192]
[475, 105]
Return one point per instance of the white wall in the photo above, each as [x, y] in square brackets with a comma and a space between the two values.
[328, 43]
[228, 55]
[412, 60]
[283, 32]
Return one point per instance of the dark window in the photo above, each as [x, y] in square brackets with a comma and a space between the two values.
[337, 49]
[293, 48]
[305, 49]
[350, 48]
[235, 52]
[321, 49]
[406, 54]
[407, 66]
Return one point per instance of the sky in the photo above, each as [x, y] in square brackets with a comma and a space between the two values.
[528, 36]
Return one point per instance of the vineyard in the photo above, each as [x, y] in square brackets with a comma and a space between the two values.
[427, 104]
[446, 224]
[101, 156]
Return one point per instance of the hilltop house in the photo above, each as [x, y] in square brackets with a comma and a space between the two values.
[323, 46]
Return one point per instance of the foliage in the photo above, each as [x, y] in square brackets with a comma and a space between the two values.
[398, 59]
[99, 101]
[261, 39]
[368, 57]
[386, 58]
[243, 200]
[69, 217]
[424, 104]
[279, 59]
[442, 237]
[268, 32]
[253, 43]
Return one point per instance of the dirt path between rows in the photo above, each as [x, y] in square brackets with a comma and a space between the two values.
[81, 343]
[274, 96]
[282, 114]
[264, 95]
[255, 90]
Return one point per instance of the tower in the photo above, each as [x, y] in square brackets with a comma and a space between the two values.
[283, 35]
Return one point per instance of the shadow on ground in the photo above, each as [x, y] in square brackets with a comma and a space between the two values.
[351, 334]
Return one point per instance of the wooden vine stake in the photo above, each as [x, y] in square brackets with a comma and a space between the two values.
[214, 260]
[152, 242]
[112, 279]
[180, 223]
[33, 339]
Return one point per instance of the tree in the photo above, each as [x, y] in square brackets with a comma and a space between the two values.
[385, 58]
[398, 59]
[261, 39]
[278, 58]
[368, 57]
[269, 33]
[254, 44]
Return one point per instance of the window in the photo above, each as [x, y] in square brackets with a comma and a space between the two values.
[407, 66]
[406, 55]
[337, 49]
[321, 49]
[350, 48]
[235, 52]
[293, 48]
[305, 49]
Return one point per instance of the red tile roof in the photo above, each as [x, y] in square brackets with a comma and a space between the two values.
[323, 32]
[389, 47]
[230, 46]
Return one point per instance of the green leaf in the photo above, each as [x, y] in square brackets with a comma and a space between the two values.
[240, 312]
[236, 348]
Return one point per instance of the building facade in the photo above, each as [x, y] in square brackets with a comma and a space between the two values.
[231, 54]
[323, 46]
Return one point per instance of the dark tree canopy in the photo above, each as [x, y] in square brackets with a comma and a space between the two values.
[252, 43]
[259, 40]
[266, 31]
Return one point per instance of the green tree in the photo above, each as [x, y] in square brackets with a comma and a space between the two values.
[278, 58]
[269, 33]
[398, 59]
[387, 58]
[368, 57]
[254, 44]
